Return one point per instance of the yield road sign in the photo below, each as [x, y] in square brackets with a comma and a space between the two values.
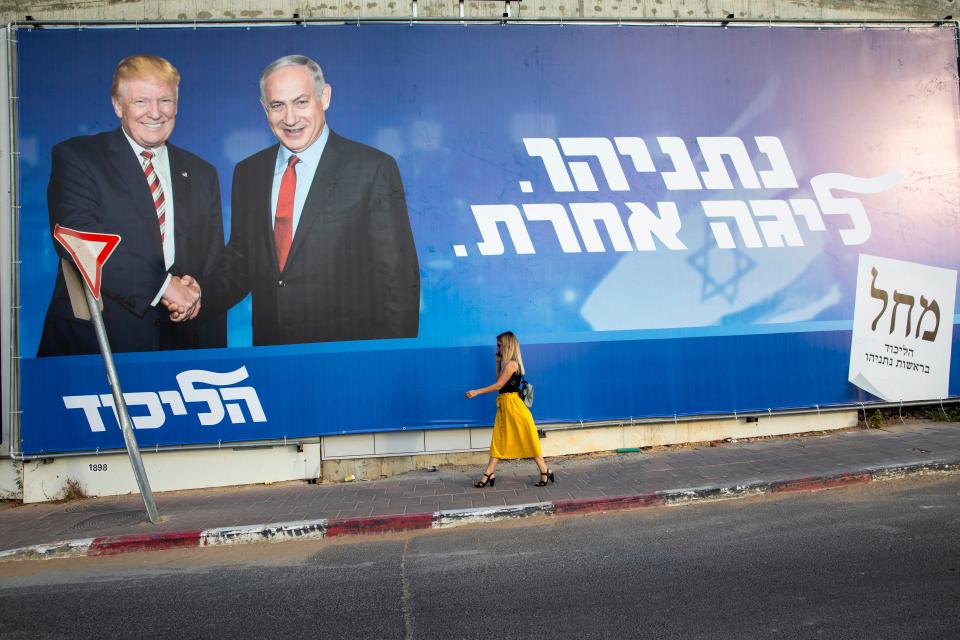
[89, 251]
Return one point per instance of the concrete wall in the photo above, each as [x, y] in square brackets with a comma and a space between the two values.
[606, 9]
[110, 474]
[11, 480]
[362, 460]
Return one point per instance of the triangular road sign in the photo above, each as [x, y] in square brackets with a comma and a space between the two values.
[89, 251]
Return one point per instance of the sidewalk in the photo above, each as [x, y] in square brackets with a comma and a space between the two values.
[424, 499]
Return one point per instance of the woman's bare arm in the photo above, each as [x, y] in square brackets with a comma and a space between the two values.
[505, 375]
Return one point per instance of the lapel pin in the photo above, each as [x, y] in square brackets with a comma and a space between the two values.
[184, 174]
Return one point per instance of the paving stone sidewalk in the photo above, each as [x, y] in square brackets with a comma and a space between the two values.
[693, 467]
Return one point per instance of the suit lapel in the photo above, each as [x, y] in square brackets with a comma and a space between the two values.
[324, 181]
[127, 166]
[180, 182]
[262, 192]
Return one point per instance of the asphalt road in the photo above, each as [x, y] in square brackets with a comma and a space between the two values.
[873, 561]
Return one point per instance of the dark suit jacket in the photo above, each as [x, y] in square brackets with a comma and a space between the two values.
[97, 184]
[352, 271]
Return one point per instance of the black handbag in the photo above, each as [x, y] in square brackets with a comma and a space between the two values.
[526, 391]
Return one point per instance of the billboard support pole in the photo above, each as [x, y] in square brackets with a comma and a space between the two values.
[122, 414]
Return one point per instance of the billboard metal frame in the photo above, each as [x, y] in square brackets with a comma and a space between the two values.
[10, 213]
[412, 20]
[9, 252]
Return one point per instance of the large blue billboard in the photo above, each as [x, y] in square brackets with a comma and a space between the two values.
[670, 219]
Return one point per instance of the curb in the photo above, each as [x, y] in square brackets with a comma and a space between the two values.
[330, 528]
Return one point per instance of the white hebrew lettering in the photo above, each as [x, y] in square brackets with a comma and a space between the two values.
[602, 150]
[247, 395]
[645, 224]
[823, 187]
[155, 401]
[572, 163]
[587, 214]
[684, 175]
[215, 412]
[782, 229]
[716, 176]
[556, 214]
[636, 150]
[175, 401]
[155, 416]
[809, 211]
[780, 175]
[546, 149]
[106, 400]
[90, 406]
[487, 217]
[737, 210]
[187, 380]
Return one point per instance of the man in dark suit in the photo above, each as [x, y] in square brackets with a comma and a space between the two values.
[163, 201]
[319, 227]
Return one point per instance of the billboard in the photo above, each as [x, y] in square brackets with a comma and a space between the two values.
[671, 219]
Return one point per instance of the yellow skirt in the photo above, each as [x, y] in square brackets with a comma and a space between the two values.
[514, 433]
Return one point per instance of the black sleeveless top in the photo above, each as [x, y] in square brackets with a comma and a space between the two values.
[513, 384]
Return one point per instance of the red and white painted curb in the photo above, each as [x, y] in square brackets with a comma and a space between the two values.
[329, 528]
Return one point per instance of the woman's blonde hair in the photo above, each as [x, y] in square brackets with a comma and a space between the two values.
[510, 350]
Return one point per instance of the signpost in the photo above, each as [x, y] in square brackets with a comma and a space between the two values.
[90, 251]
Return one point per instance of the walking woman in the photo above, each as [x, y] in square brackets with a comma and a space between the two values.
[514, 433]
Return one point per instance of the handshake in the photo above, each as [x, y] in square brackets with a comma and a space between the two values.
[182, 298]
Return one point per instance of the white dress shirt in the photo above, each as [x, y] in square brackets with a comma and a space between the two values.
[306, 169]
[161, 165]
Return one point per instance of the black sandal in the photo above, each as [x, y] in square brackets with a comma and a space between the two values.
[544, 477]
[488, 478]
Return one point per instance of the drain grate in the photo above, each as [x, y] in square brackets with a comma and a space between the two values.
[107, 520]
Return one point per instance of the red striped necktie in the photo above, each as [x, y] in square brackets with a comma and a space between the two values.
[153, 181]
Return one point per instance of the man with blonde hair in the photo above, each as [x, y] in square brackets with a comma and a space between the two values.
[163, 201]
